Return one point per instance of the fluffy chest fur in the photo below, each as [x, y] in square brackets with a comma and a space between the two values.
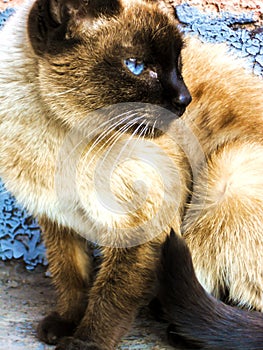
[93, 181]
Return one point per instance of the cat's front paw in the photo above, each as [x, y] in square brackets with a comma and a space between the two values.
[71, 343]
[54, 327]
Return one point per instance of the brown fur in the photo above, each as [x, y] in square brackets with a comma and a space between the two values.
[62, 60]
[223, 224]
[198, 320]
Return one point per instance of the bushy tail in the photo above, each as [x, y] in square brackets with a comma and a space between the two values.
[198, 320]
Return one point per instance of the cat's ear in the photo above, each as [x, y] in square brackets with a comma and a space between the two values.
[53, 23]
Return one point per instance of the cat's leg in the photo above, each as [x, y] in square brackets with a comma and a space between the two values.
[125, 282]
[224, 225]
[70, 266]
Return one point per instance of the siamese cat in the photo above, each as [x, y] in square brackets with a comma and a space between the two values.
[99, 140]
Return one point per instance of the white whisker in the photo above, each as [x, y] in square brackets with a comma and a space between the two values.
[153, 128]
[65, 92]
[102, 135]
[111, 139]
[139, 135]
[128, 141]
[120, 133]
[107, 131]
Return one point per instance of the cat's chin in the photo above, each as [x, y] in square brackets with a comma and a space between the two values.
[147, 130]
[156, 125]
[168, 115]
[174, 111]
[150, 129]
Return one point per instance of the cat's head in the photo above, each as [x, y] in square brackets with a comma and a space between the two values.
[95, 53]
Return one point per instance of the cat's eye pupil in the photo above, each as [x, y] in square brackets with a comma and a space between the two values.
[134, 66]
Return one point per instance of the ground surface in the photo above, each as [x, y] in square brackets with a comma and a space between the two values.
[25, 297]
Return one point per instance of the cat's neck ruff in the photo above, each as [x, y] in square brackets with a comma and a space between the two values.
[118, 186]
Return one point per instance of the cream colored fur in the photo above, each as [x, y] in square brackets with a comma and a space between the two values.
[35, 152]
[223, 224]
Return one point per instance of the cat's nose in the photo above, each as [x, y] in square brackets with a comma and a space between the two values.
[183, 99]
[176, 92]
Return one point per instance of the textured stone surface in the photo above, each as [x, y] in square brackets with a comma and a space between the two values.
[26, 297]
[218, 6]
[226, 28]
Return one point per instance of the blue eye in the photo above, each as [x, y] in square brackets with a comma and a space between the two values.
[134, 66]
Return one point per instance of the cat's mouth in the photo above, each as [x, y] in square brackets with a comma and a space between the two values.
[155, 123]
[175, 111]
[142, 119]
[144, 130]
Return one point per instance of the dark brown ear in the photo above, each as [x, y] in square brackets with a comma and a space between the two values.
[51, 23]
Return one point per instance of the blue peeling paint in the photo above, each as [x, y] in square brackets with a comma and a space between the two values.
[20, 235]
[5, 15]
[226, 28]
